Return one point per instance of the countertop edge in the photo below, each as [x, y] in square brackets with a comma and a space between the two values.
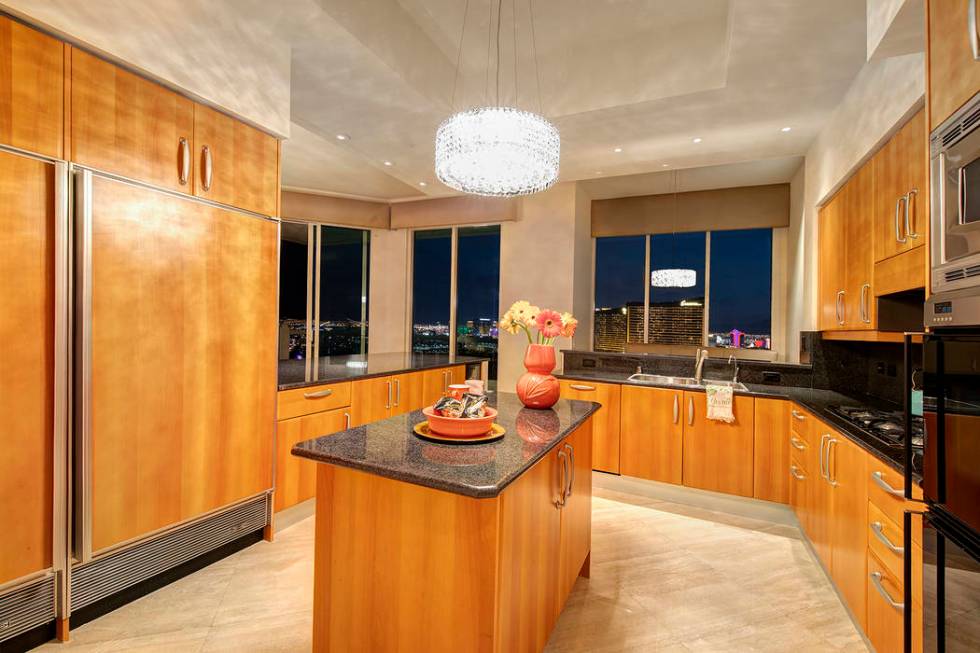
[470, 360]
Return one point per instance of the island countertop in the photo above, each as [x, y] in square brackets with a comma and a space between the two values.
[292, 373]
[391, 449]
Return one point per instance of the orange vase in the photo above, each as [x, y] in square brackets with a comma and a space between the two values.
[537, 388]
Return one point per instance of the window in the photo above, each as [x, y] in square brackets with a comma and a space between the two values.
[741, 289]
[473, 323]
[323, 296]
[729, 303]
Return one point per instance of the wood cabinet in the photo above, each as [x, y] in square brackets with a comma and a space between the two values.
[605, 422]
[651, 433]
[32, 81]
[858, 261]
[407, 393]
[576, 511]
[901, 192]
[436, 382]
[296, 402]
[771, 450]
[849, 516]
[717, 455]
[27, 337]
[387, 396]
[183, 358]
[129, 126]
[296, 477]
[371, 400]
[884, 618]
[953, 74]
[236, 164]
[800, 487]
[831, 264]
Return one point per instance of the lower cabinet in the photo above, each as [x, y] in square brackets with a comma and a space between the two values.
[848, 528]
[651, 433]
[605, 422]
[885, 611]
[296, 477]
[436, 382]
[387, 396]
[771, 452]
[717, 455]
[576, 511]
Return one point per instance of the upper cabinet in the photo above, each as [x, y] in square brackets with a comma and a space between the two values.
[858, 261]
[236, 164]
[901, 191]
[127, 125]
[830, 265]
[32, 79]
[953, 56]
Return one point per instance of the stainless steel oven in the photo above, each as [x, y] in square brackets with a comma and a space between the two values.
[955, 183]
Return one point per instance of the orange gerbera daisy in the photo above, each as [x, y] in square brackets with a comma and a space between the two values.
[549, 323]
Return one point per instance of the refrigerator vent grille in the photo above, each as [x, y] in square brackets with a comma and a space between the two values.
[963, 273]
[115, 572]
[27, 607]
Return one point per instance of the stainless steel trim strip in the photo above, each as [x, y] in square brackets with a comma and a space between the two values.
[310, 238]
[83, 385]
[318, 394]
[28, 154]
[879, 530]
[317, 255]
[880, 481]
[876, 580]
[62, 381]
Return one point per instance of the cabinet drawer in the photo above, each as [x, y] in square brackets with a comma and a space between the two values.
[605, 423]
[800, 423]
[886, 489]
[313, 399]
[885, 538]
[885, 611]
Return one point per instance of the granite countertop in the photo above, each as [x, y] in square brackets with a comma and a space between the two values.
[292, 374]
[390, 448]
[815, 400]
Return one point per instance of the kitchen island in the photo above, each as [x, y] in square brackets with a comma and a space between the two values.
[439, 547]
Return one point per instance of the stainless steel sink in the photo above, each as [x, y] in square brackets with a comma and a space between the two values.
[687, 381]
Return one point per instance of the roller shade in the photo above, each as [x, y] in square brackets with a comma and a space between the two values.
[747, 207]
[334, 210]
[452, 211]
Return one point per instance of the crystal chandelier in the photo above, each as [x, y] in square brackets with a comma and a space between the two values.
[495, 150]
[673, 278]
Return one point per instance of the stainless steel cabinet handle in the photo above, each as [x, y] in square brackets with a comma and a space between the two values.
[840, 307]
[797, 443]
[318, 394]
[584, 388]
[560, 501]
[880, 481]
[971, 20]
[346, 421]
[898, 212]
[571, 465]
[795, 472]
[398, 391]
[677, 408]
[798, 415]
[388, 404]
[208, 167]
[876, 579]
[832, 447]
[185, 161]
[823, 450]
[445, 381]
[908, 222]
[961, 195]
[690, 411]
[879, 530]
[865, 303]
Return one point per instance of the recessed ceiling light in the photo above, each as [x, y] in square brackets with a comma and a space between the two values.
[342, 137]
[598, 172]
[422, 183]
[785, 129]
[389, 163]
[697, 139]
[664, 165]
[617, 149]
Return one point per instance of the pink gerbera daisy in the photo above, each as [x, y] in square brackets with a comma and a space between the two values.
[549, 323]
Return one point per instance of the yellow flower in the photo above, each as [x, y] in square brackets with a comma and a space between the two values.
[568, 325]
[518, 310]
[530, 316]
[508, 324]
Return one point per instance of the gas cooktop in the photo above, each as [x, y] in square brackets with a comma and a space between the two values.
[887, 426]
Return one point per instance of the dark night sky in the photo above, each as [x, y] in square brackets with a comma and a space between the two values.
[430, 283]
[478, 269]
[340, 273]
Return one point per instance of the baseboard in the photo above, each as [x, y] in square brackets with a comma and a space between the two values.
[294, 514]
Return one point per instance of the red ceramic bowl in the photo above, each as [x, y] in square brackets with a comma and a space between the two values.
[460, 427]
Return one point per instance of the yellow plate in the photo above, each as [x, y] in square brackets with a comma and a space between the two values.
[496, 432]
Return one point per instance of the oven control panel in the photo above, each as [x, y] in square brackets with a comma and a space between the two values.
[953, 309]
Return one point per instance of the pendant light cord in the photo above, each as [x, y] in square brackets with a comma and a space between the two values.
[534, 55]
[499, 4]
[459, 56]
[513, 15]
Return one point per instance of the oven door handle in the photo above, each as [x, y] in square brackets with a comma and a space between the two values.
[961, 195]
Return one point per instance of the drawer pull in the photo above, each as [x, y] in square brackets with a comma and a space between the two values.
[798, 415]
[208, 167]
[346, 421]
[677, 408]
[318, 394]
[797, 443]
[879, 530]
[795, 472]
[185, 161]
[876, 579]
[584, 388]
[880, 481]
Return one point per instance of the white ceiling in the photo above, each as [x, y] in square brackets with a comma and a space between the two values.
[647, 76]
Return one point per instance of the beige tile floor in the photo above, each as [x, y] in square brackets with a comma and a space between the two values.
[665, 577]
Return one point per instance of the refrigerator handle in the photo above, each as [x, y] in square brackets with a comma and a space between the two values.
[82, 476]
[907, 401]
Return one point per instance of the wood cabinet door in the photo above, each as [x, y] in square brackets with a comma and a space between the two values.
[605, 422]
[800, 484]
[576, 514]
[820, 509]
[129, 126]
[457, 374]
[830, 270]
[407, 393]
[296, 477]
[32, 83]
[884, 620]
[236, 164]
[371, 400]
[434, 385]
[27, 333]
[528, 567]
[953, 75]
[717, 455]
[849, 528]
[183, 371]
[771, 453]
[860, 307]
[915, 146]
[651, 433]
[890, 165]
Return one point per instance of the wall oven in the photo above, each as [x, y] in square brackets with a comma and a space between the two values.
[955, 200]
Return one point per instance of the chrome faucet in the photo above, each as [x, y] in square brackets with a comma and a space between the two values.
[700, 357]
[734, 361]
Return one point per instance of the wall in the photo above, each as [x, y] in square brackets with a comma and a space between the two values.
[389, 292]
[883, 96]
[206, 48]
